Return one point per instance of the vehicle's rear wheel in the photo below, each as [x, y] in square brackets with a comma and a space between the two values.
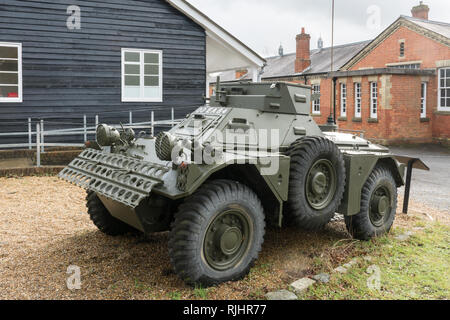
[217, 233]
[378, 206]
[102, 219]
[317, 182]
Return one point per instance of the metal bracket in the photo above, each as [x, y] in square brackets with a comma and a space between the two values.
[410, 163]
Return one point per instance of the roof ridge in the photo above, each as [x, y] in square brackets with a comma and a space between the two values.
[426, 21]
[326, 48]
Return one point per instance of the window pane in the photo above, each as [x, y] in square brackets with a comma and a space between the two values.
[9, 78]
[9, 92]
[151, 81]
[448, 73]
[447, 95]
[151, 92]
[132, 57]
[442, 73]
[151, 69]
[132, 81]
[448, 83]
[8, 65]
[151, 58]
[8, 52]
[132, 69]
[132, 92]
[442, 84]
[442, 102]
[448, 102]
[442, 93]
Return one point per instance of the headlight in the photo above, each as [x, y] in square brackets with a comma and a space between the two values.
[164, 145]
[107, 135]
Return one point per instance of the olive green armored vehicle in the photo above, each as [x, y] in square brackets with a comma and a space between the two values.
[251, 157]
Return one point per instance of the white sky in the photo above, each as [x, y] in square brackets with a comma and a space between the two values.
[264, 24]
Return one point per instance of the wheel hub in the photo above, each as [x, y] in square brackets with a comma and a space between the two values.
[230, 240]
[226, 240]
[380, 206]
[321, 184]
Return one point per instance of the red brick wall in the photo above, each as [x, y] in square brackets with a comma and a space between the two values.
[377, 130]
[417, 48]
[402, 123]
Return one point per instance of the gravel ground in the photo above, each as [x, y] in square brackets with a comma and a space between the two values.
[44, 229]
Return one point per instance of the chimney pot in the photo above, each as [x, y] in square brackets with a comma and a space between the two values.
[421, 11]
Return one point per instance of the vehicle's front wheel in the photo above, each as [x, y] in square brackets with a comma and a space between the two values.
[217, 233]
[378, 206]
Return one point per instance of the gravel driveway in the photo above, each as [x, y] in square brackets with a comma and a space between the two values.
[44, 229]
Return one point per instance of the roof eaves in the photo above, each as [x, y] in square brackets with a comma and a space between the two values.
[209, 25]
[378, 71]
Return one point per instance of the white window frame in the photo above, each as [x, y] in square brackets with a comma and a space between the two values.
[440, 107]
[374, 100]
[358, 100]
[19, 99]
[423, 100]
[142, 52]
[343, 100]
[316, 103]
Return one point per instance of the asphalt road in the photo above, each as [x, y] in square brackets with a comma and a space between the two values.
[430, 187]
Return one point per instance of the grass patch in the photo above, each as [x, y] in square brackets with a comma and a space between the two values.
[414, 269]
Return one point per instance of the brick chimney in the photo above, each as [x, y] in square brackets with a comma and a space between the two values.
[303, 59]
[421, 11]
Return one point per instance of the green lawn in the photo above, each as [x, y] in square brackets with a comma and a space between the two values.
[418, 268]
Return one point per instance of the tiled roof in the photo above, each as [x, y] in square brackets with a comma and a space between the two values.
[441, 28]
[283, 66]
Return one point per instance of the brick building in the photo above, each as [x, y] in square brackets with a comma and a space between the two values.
[395, 88]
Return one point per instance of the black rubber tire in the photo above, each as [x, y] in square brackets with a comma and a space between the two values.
[360, 225]
[102, 219]
[304, 154]
[192, 221]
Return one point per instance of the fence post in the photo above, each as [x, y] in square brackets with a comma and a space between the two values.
[131, 118]
[153, 124]
[30, 135]
[38, 145]
[85, 128]
[42, 136]
[173, 117]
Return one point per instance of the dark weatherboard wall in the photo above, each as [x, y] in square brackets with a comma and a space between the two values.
[68, 73]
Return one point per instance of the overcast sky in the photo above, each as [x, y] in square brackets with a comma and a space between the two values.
[264, 24]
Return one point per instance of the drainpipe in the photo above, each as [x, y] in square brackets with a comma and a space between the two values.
[334, 99]
[332, 118]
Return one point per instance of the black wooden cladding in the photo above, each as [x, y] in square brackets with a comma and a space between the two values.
[69, 73]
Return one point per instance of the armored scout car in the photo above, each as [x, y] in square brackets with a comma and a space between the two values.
[252, 156]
